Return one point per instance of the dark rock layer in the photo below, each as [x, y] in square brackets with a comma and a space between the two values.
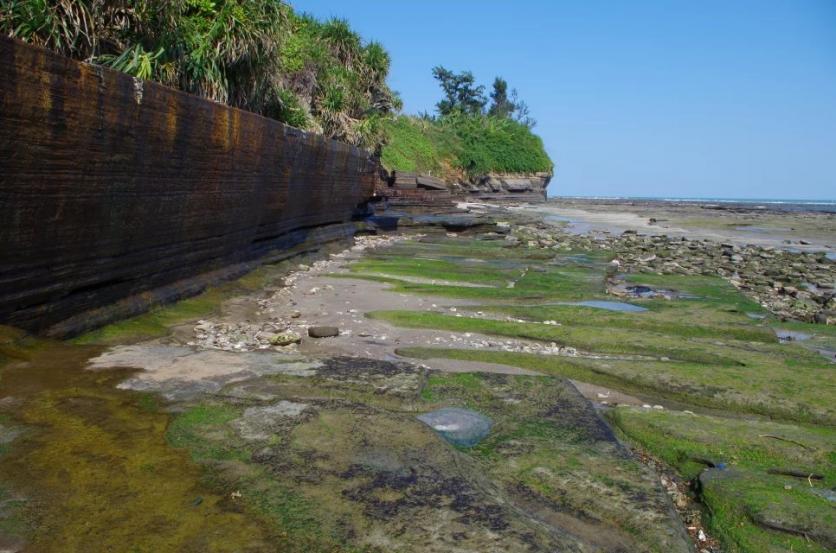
[112, 187]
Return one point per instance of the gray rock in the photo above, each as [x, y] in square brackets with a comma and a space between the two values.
[323, 331]
[285, 338]
[259, 423]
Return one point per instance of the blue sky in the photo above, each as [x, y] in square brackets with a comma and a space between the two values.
[673, 98]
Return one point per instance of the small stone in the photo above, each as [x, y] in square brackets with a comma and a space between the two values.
[323, 331]
[285, 338]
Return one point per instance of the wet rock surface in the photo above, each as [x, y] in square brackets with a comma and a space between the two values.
[341, 435]
[326, 436]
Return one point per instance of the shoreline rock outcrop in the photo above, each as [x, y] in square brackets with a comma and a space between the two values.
[118, 193]
[415, 190]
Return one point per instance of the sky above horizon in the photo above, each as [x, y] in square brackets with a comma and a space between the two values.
[654, 98]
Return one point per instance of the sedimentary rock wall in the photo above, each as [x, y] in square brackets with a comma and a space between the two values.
[511, 186]
[403, 188]
[112, 187]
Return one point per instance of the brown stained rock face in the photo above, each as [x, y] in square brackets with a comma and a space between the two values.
[111, 187]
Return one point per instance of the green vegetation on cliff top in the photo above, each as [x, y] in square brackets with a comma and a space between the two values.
[468, 137]
[463, 144]
[257, 55]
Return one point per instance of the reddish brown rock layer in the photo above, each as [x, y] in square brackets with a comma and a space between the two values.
[111, 187]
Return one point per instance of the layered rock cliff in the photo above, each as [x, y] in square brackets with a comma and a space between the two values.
[415, 189]
[121, 192]
[521, 187]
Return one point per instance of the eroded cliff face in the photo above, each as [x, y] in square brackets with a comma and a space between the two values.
[415, 190]
[114, 189]
[523, 187]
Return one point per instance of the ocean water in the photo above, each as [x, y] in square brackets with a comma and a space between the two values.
[826, 206]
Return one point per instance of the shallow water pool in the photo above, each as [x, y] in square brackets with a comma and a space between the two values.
[609, 305]
[461, 427]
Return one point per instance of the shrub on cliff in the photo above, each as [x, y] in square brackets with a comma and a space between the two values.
[257, 55]
[488, 144]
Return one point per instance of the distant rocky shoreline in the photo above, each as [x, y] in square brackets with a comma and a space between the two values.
[791, 285]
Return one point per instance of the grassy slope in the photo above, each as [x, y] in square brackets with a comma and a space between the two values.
[475, 145]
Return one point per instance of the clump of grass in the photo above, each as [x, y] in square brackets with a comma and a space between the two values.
[415, 145]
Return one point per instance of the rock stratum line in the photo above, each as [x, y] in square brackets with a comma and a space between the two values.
[120, 192]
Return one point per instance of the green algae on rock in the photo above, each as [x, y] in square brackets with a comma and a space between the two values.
[92, 469]
[762, 498]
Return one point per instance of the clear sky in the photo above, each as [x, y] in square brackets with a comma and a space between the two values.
[672, 98]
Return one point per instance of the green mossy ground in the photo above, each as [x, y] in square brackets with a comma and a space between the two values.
[184, 474]
[748, 490]
[706, 353]
[546, 448]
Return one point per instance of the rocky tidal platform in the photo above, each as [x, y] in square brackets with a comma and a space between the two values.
[681, 424]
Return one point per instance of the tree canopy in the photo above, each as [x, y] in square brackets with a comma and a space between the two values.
[461, 94]
[501, 105]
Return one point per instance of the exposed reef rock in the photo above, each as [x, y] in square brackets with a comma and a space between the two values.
[408, 189]
[114, 189]
[792, 285]
[510, 186]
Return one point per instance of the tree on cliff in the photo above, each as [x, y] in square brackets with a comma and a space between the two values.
[511, 108]
[461, 94]
[501, 105]
[521, 113]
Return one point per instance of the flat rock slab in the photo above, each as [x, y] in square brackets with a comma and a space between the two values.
[260, 423]
[182, 372]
